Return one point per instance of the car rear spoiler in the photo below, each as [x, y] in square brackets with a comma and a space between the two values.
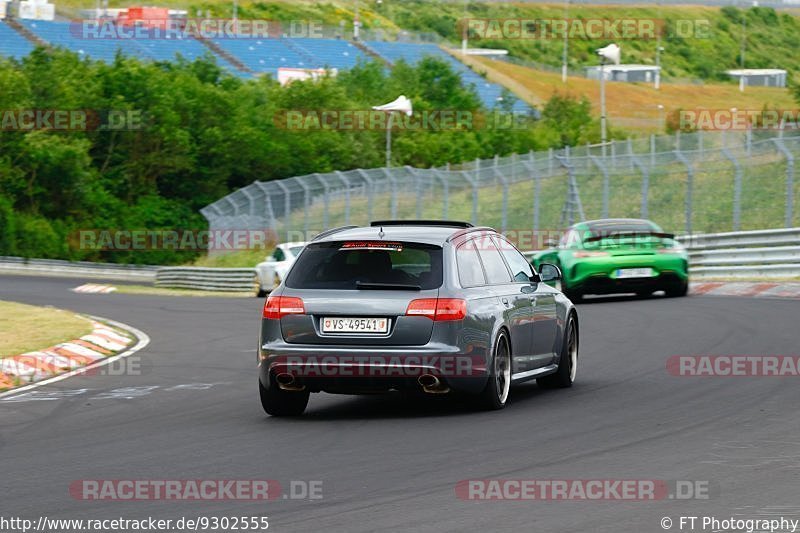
[612, 235]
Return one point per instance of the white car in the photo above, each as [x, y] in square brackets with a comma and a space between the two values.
[272, 271]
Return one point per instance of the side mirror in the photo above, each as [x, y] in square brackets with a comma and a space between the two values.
[549, 272]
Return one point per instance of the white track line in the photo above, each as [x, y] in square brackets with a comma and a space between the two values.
[141, 336]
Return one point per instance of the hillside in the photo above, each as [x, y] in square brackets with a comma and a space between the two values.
[632, 106]
[769, 33]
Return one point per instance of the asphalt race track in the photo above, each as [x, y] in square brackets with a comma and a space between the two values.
[192, 412]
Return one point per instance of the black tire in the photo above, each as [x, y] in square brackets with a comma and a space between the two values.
[644, 293]
[567, 365]
[495, 394]
[676, 291]
[277, 402]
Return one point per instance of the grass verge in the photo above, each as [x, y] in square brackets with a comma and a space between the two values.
[24, 328]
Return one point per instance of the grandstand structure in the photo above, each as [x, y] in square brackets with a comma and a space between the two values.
[243, 57]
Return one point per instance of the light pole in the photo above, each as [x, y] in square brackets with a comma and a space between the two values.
[465, 31]
[356, 23]
[566, 44]
[610, 53]
[401, 104]
[659, 49]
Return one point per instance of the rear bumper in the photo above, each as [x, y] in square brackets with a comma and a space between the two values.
[354, 369]
[598, 275]
[604, 284]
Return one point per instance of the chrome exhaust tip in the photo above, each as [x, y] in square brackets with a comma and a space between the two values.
[287, 382]
[432, 385]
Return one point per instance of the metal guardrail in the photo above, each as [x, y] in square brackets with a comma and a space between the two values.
[745, 254]
[208, 279]
[77, 269]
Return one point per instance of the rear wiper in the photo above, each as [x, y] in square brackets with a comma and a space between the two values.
[387, 286]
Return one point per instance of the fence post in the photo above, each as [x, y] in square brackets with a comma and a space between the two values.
[504, 181]
[370, 193]
[689, 186]
[306, 202]
[326, 201]
[388, 173]
[346, 182]
[445, 190]
[652, 150]
[737, 183]
[286, 206]
[789, 216]
[604, 171]
[613, 145]
[475, 183]
[630, 153]
[645, 184]
[530, 165]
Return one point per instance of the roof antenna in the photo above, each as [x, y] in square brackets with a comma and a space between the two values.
[380, 233]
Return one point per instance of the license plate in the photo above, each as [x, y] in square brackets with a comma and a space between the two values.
[354, 325]
[623, 273]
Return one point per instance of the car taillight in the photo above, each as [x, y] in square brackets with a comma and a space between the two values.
[277, 306]
[590, 254]
[438, 309]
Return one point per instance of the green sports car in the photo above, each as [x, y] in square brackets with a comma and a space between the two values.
[621, 255]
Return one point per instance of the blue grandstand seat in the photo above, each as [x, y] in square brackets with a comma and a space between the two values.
[157, 49]
[12, 44]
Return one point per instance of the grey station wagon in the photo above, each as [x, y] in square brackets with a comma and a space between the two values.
[434, 306]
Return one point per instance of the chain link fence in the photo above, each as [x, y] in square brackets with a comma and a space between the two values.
[699, 182]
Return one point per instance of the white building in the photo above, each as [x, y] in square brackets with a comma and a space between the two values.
[759, 77]
[630, 73]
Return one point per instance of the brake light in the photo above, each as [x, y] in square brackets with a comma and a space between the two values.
[278, 306]
[438, 309]
[584, 253]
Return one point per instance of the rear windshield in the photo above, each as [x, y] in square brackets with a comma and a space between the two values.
[343, 264]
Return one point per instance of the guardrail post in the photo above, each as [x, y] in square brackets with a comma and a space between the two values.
[689, 187]
[789, 215]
